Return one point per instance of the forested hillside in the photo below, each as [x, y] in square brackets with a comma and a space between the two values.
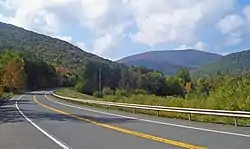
[235, 63]
[52, 51]
[50, 62]
[165, 67]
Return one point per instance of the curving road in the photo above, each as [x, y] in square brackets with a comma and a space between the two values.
[37, 121]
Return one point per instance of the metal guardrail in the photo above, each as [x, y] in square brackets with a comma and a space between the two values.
[189, 111]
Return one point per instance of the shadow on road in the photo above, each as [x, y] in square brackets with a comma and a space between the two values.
[9, 114]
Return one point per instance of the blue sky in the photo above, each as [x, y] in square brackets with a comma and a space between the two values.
[117, 28]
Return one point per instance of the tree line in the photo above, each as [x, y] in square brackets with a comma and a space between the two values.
[24, 71]
[130, 79]
[20, 72]
[140, 80]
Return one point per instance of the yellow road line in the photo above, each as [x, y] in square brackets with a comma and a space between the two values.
[127, 131]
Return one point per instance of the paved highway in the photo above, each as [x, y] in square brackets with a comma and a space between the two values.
[36, 120]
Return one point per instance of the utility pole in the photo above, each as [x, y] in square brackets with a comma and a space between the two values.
[100, 79]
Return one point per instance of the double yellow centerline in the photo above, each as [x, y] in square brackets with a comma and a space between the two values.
[119, 129]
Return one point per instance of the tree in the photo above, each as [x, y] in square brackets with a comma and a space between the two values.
[188, 86]
[152, 83]
[1, 85]
[40, 74]
[184, 75]
[88, 78]
[203, 86]
[14, 76]
[1, 91]
[174, 86]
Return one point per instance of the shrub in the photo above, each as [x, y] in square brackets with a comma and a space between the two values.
[98, 94]
[140, 91]
[122, 93]
[107, 91]
[79, 86]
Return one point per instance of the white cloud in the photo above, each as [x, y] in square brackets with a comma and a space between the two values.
[231, 23]
[34, 15]
[246, 12]
[105, 18]
[81, 45]
[108, 42]
[65, 38]
[183, 47]
[104, 15]
[200, 45]
[235, 26]
[235, 38]
[171, 21]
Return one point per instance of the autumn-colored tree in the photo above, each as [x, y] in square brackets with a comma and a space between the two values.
[188, 86]
[1, 86]
[14, 76]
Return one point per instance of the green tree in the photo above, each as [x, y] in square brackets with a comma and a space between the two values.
[88, 78]
[40, 74]
[203, 86]
[152, 83]
[184, 75]
[174, 86]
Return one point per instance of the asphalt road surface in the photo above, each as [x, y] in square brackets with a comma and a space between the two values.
[36, 120]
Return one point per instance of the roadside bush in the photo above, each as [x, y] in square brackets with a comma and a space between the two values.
[140, 91]
[107, 91]
[79, 86]
[122, 93]
[98, 94]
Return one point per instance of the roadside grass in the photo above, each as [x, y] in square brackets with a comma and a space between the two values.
[210, 103]
[69, 92]
[9, 94]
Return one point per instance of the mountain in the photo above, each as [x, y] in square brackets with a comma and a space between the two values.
[171, 60]
[53, 51]
[233, 63]
[156, 65]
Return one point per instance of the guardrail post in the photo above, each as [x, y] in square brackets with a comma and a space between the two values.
[235, 121]
[134, 110]
[189, 117]
[158, 113]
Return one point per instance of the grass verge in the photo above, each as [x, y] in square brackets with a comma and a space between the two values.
[163, 101]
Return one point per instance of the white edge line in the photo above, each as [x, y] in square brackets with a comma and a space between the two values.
[151, 121]
[50, 136]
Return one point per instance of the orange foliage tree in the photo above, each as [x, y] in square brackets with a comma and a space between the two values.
[14, 76]
[188, 86]
[1, 86]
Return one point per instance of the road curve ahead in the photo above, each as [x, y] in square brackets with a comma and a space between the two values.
[37, 120]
